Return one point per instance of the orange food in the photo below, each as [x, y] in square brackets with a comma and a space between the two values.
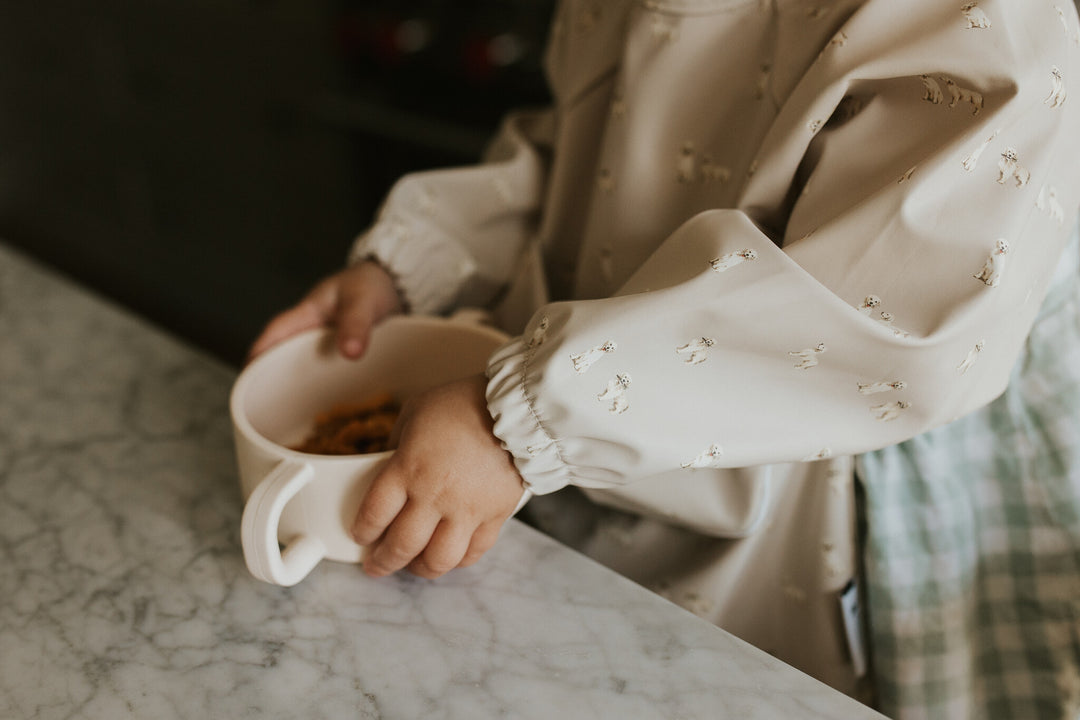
[353, 428]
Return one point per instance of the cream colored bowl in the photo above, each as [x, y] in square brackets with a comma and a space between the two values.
[299, 506]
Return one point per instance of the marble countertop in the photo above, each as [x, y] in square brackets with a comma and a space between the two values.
[123, 591]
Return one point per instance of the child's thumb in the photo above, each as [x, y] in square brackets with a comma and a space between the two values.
[366, 295]
[357, 315]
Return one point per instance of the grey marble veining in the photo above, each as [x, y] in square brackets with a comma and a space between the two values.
[123, 592]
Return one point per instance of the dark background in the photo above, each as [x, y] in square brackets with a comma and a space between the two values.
[204, 162]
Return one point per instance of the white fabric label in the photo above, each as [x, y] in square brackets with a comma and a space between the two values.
[853, 627]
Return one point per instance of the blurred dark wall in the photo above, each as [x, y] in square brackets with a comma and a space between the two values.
[204, 162]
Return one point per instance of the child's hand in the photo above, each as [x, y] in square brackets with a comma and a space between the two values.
[353, 300]
[447, 490]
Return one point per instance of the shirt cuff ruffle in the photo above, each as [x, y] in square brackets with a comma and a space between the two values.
[517, 424]
[428, 268]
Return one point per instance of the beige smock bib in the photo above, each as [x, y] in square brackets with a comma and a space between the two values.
[777, 233]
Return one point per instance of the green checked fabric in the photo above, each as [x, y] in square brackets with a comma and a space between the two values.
[973, 546]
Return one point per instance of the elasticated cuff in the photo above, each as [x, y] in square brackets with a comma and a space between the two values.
[517, 424]
[427, 266]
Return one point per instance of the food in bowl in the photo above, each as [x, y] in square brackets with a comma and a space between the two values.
[353, 428]
[299, 507]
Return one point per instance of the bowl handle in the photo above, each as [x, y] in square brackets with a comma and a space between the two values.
[259, 528]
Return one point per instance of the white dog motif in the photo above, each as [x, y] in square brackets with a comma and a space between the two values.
[994, 265]
[731, 259]
[1048, 202]
[960, 95]
[869, 303]
[1009, 167]
[709, 457]
[535, 450]
[890, 411]
[881, 386]
[615, 394]
[712, 171]
[1062, 18]
[584, 360]
[976, 18]
[1074, 37]
[886, 319]
[933, 94]
[807, 358]
[539, 333]
[686, 163]
[1057, 95]
[972, 356]
[973, 159]
[697, 351]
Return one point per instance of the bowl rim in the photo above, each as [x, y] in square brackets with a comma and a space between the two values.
[316, 335]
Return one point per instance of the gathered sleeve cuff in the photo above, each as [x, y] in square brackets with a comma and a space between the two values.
[454, 236]
[427, 266]
[510, 400]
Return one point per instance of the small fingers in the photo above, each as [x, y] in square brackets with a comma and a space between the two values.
[295, 320]
[444, 552]
[382, 503]
[356, 315]
[352, 300]
[404, 539]
[482, 540]
[367, 294]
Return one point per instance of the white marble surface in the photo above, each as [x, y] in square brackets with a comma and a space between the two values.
[123, 593]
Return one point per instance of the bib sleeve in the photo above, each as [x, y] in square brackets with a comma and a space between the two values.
[453, 237]
[877, 280]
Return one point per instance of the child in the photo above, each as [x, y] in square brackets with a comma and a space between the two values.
[771, 232]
